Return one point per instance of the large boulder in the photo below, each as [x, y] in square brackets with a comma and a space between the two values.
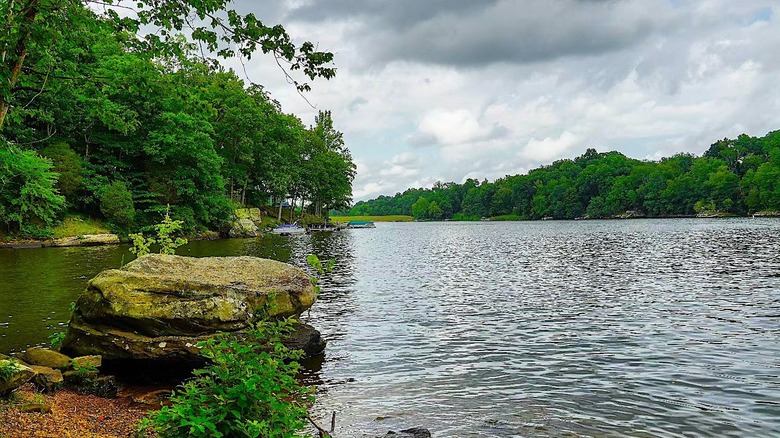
[244, 228]
[159, 307]
[253, 214]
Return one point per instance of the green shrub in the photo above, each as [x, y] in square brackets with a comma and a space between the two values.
[249, 389]
[165, 232]
[116, 204]
[7, 369]
[55, 339]
[28, 199]
[70, 167]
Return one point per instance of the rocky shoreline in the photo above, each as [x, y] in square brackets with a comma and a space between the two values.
[137, 323]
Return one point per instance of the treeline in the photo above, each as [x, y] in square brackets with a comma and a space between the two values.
[101, 125]
[739, 177]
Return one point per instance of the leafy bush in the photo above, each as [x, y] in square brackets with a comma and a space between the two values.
[28, 199]
[116, 204]
[55, 339]
[70, 168]
[165, 232]
[248, 389]
[7, 369]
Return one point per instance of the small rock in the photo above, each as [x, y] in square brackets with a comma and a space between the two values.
[20, 375]
[45, 358]
[46, 379]
[35, 407]
[305, 338]
[80, 377]
[103, 386]
[94, 361]
[157, 398]
[415, 432]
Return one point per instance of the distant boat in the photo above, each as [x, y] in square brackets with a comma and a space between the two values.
[289, 230]
[361, 224]
[323, 227]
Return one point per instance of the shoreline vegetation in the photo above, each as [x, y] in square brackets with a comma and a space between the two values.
[734, 177]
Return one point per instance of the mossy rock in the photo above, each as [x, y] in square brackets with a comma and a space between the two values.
[46, 379]
[19, 376]
[161, 306]
[45, 358]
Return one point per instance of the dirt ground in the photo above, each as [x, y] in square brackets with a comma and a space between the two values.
[73, 415]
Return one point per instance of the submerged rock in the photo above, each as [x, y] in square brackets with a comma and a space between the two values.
[159, 307]
[415, 432]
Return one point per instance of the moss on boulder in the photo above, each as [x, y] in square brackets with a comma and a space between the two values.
[159, 307]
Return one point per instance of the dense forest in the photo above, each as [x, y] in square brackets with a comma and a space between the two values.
[733, 177]
[109, 124]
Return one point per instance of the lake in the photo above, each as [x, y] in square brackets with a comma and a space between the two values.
[505, 329]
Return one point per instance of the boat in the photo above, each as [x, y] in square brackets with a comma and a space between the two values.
[289, 230]
[361, 224]
[325, 227]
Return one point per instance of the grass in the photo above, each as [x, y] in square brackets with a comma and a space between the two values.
[76, 225]
[392, 218]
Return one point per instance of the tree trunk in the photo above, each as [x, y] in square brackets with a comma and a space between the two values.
[20, 51]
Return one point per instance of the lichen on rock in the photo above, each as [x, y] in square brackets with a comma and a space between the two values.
[159, 307]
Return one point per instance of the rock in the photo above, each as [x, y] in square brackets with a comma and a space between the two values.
[86, 362]
[14, 375]
[244, 228]
[306, 338]
[159, 307]
[29, 407]
[46, 379]
[415, 432]
[45, 358]
[208, 235]
[158, 398]
[80, 377]
[87, 240]
[253, 214]
[101, 386]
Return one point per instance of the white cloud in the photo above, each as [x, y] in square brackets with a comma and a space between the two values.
[648, 81]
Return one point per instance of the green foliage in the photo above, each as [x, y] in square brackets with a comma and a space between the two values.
[733, 177]
[116, 204]
[109, 103]
[248, 389]
[68, 164]
[29, 201]
[55, 339]
[318, 266]
[165, 237]
[8, 368]
[78, 225]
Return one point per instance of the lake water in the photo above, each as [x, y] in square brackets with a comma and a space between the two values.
[498, 329]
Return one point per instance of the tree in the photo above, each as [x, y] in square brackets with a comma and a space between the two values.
[420, 208]
[434, 211]
[215, 28]
[27, 193]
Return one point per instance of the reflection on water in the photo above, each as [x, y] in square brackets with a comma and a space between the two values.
[588, 328]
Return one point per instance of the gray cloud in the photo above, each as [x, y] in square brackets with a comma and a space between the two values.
[434, 89]
[476, 33]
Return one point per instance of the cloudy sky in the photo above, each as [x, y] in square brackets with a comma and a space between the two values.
[446, 90]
